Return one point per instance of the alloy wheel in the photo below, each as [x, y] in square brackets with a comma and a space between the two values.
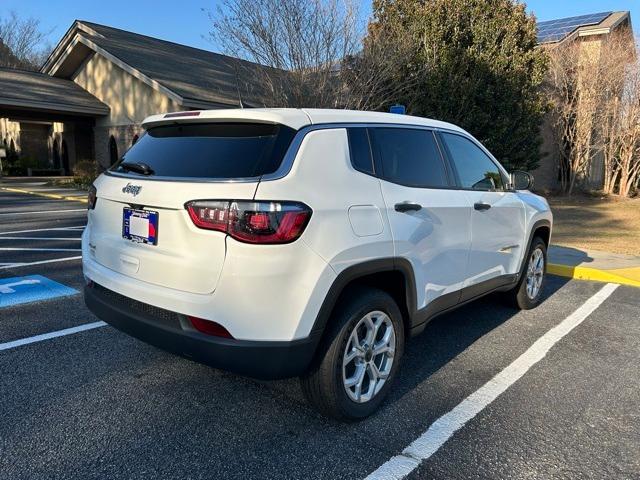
[535, 273]
[368, 356]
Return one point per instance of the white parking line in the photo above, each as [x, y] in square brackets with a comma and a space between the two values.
[41, 262]
[17, 249]
[47, 336]
[45, 211]
[40, 238]
[444, 427]
[44, 230]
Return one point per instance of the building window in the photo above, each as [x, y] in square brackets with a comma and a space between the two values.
[113, 150]
[134, 140]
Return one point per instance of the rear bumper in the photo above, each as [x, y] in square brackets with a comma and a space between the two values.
[170, 331]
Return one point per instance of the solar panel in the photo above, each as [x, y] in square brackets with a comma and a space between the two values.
[556, 30]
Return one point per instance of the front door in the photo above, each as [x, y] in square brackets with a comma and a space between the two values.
[497, 215]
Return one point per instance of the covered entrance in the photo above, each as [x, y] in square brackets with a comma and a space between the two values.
[46, 123]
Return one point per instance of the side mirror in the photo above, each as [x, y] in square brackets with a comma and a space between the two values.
[521, 180]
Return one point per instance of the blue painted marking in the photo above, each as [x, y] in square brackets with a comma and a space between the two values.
[32, 288]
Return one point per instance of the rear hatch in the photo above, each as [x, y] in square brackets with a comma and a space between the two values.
[140, 227]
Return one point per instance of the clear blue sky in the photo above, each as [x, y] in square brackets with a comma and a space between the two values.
[184, 21]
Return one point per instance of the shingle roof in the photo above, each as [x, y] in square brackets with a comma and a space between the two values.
[192, 73]
[21, 88]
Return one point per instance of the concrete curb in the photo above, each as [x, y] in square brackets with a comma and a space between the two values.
[623, 276]
[48, 195]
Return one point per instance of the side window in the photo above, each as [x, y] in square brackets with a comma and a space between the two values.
[360, 150]
[475, 169]
[410, 157]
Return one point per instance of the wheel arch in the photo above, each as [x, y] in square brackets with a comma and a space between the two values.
[541, 228]
[544, 232]
[391, 275]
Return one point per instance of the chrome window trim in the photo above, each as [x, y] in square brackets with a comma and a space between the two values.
[180, 179]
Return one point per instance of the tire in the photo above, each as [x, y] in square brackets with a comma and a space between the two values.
[324, 384]
[520, 296]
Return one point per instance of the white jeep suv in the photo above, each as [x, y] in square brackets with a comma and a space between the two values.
[313, 243]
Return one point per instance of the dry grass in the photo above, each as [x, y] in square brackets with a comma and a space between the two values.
[610, 224]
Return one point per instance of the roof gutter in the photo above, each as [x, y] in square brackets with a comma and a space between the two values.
[55, 107]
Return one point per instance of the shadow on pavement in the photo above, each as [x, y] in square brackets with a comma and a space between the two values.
[570, 256]
[450, 334]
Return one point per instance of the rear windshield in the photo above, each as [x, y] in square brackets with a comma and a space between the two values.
[229, 150]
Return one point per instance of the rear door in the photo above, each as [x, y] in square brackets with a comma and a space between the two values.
[430, 222]
[498, 215]
[182, 162]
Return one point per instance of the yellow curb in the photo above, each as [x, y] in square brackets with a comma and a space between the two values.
[632, 273]
[586, 273]
[48, 195]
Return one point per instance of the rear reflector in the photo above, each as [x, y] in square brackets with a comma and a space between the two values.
[209, 327]
[182, 114]
[252, 222]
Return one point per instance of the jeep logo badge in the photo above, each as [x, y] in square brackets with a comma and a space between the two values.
[132, 189]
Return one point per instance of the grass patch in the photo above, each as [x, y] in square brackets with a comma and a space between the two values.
[609, 224]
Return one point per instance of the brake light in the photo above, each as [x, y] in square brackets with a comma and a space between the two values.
[209, 327]
[252, 222]
[92, 197]
[190, 113]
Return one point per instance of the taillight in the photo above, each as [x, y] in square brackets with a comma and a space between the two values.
[212, 215]
[252, 222]
[92, 197]
[209, 327]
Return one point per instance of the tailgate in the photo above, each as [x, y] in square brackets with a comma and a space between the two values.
[170, 165]
[185, 257]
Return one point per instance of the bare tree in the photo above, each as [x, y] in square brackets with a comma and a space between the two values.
[376, 77]
[627, 162]
[619, 125]
[612, 68]
[303, 53]
[572, 111]
[594, 89]
[22, 42]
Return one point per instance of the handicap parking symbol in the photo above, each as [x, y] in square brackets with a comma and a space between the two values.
[32, 288]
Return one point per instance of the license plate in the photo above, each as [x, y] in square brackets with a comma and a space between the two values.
[140, 225]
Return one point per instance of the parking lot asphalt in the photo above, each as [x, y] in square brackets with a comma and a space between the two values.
[99, 404]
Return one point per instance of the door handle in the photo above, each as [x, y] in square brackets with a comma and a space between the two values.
[407, 206]
[481, 206]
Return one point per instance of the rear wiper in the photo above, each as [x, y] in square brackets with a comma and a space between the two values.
[139, 167]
